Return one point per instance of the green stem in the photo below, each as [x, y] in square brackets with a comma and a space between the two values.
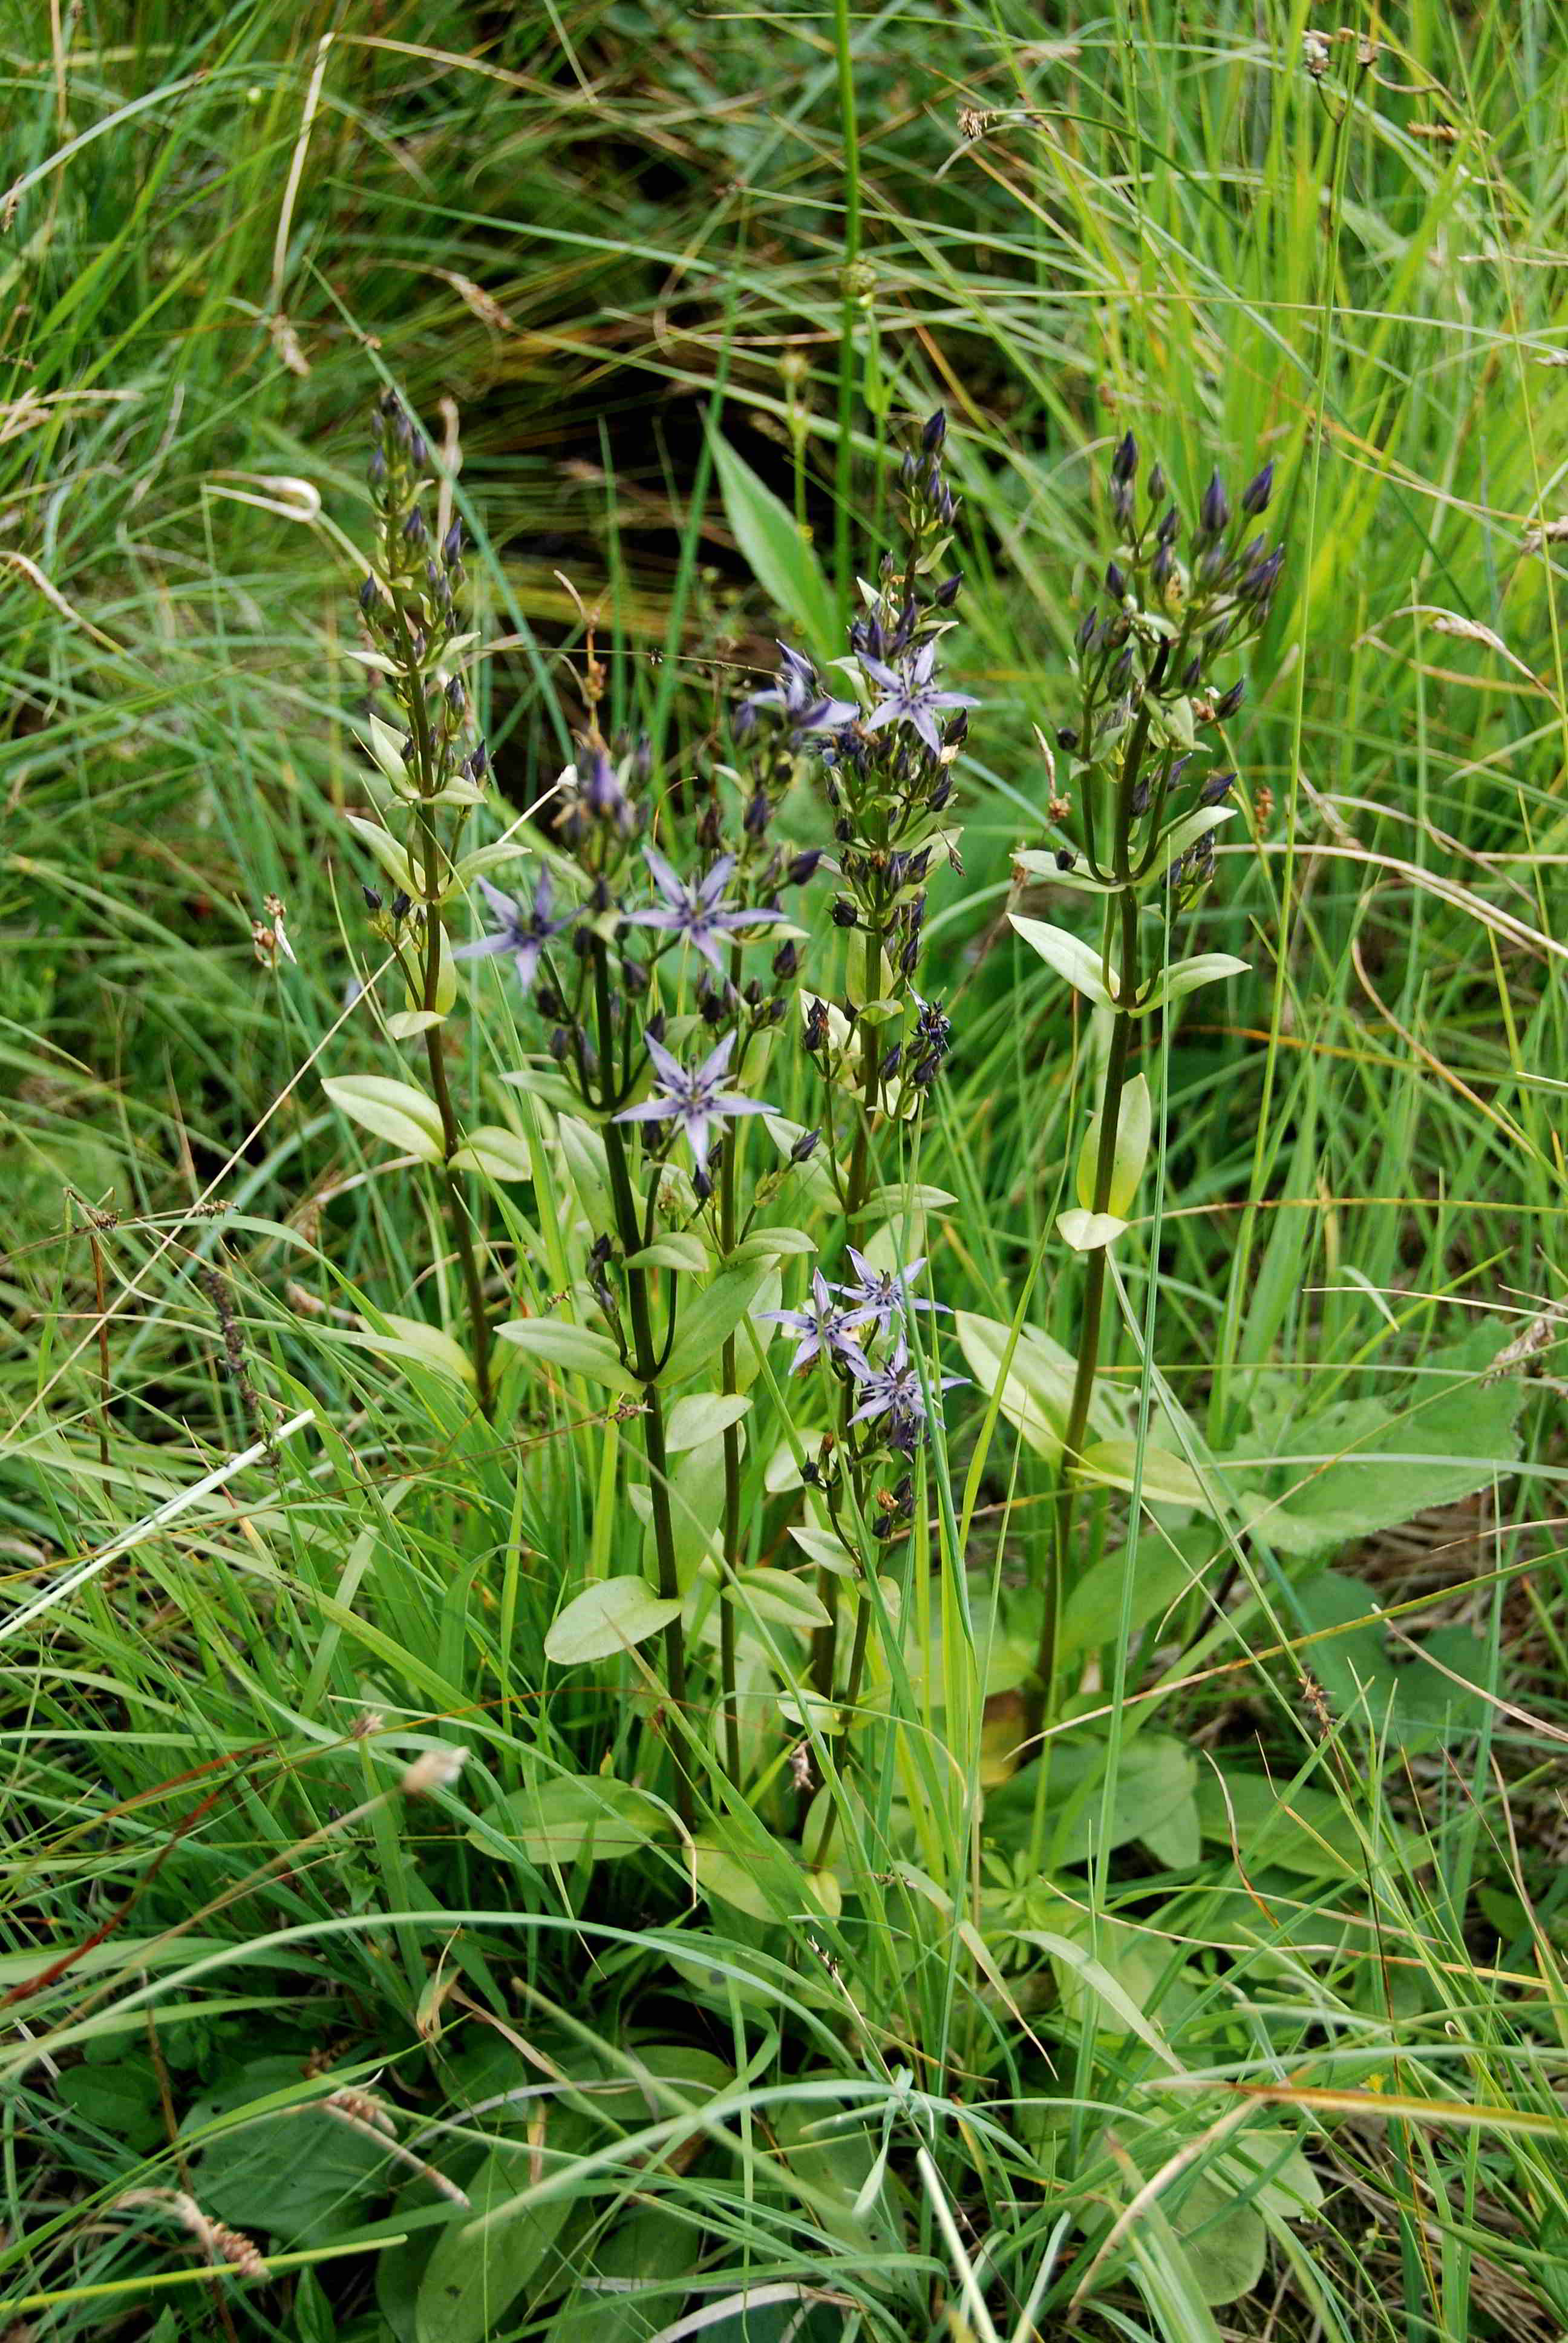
[1092, 1326]
[645, 1357]
[846, 1716]
[729, 1693]
[435, 1057]
[824, 1641]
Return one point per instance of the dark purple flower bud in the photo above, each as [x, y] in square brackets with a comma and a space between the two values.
[752, 995]
[844, 831]
[601, 791]
[802, 867]
[1256, 494]
[805, 1146]
[452, 545]
[844, 912]
[456, 699]
[816, 1025]
[743, 722]
[479, 762]
[935, 431]
[1226, 707]
[376, 469]
[654, 1028]
[1215, 513]
[758, 815]
[948, 592]
[956, 731]
[701, 1185]
[1216, 789]
[1067, 736]
[1115, 582]
[940, 793]
[1192, 675]
[369, 594]
[1258, 587]
[418, 454]
[400, 905]
[1124, 462]
[910, 957]
[786, 962]
[1157, 485]
[413, 531]
[710, 827]
[548, 1001]
[892, 1061]
[907, 469]
[1138, 801]
[372, 898]
[1065, 858]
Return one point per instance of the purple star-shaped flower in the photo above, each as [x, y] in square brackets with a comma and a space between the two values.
[800, 697]
[822, 1325]
[894, 1390]
[909, 697]
[693, 1098]
[881, 1295]
[519, 930]
[696, 910]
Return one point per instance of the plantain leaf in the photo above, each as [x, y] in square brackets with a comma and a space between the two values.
[395, 1111]
[1186, 976]
[1134, 1125]
[577, 1348]
[1069, 955]
[611, 1615]
[499, 1154]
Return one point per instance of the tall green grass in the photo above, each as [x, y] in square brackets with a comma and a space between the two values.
[1320, 2051]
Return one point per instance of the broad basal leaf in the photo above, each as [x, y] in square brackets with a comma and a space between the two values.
[558, 1821]
[611, 1615]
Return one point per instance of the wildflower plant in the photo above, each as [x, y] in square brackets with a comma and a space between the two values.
[430, 769]
[1146, 786]
[681, 962]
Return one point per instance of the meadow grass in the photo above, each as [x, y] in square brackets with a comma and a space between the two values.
[1241, 2011]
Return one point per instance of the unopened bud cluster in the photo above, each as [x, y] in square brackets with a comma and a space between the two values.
[408, 604]
[1179, 598]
